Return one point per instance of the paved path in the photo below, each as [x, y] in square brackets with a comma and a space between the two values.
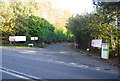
[56, 61]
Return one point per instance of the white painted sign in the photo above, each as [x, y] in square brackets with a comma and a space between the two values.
[105, 51]
[17, 38]
[11, 38]
[96, 42]
[34, 38]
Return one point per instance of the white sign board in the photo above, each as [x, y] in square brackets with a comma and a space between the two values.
[96, 42]
[105, 51]
[34, 38]
[17, 38]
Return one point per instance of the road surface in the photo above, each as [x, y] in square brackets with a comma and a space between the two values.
[57, 61]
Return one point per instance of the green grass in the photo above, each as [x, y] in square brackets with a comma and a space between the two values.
[21, 45]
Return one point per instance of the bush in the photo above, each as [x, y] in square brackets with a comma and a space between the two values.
[39, 45]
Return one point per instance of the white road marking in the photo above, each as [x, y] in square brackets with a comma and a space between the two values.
[18, 74]
[22, 77]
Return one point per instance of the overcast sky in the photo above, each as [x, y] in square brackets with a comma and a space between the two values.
[75, 6]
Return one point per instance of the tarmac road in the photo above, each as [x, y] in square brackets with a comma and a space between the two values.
[56, 61]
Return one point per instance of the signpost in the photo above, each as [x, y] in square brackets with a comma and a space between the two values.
[105, 51]
[105, 47]
[32, 39]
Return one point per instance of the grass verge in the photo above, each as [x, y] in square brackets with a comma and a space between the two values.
[21, 45]
[113, 61]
